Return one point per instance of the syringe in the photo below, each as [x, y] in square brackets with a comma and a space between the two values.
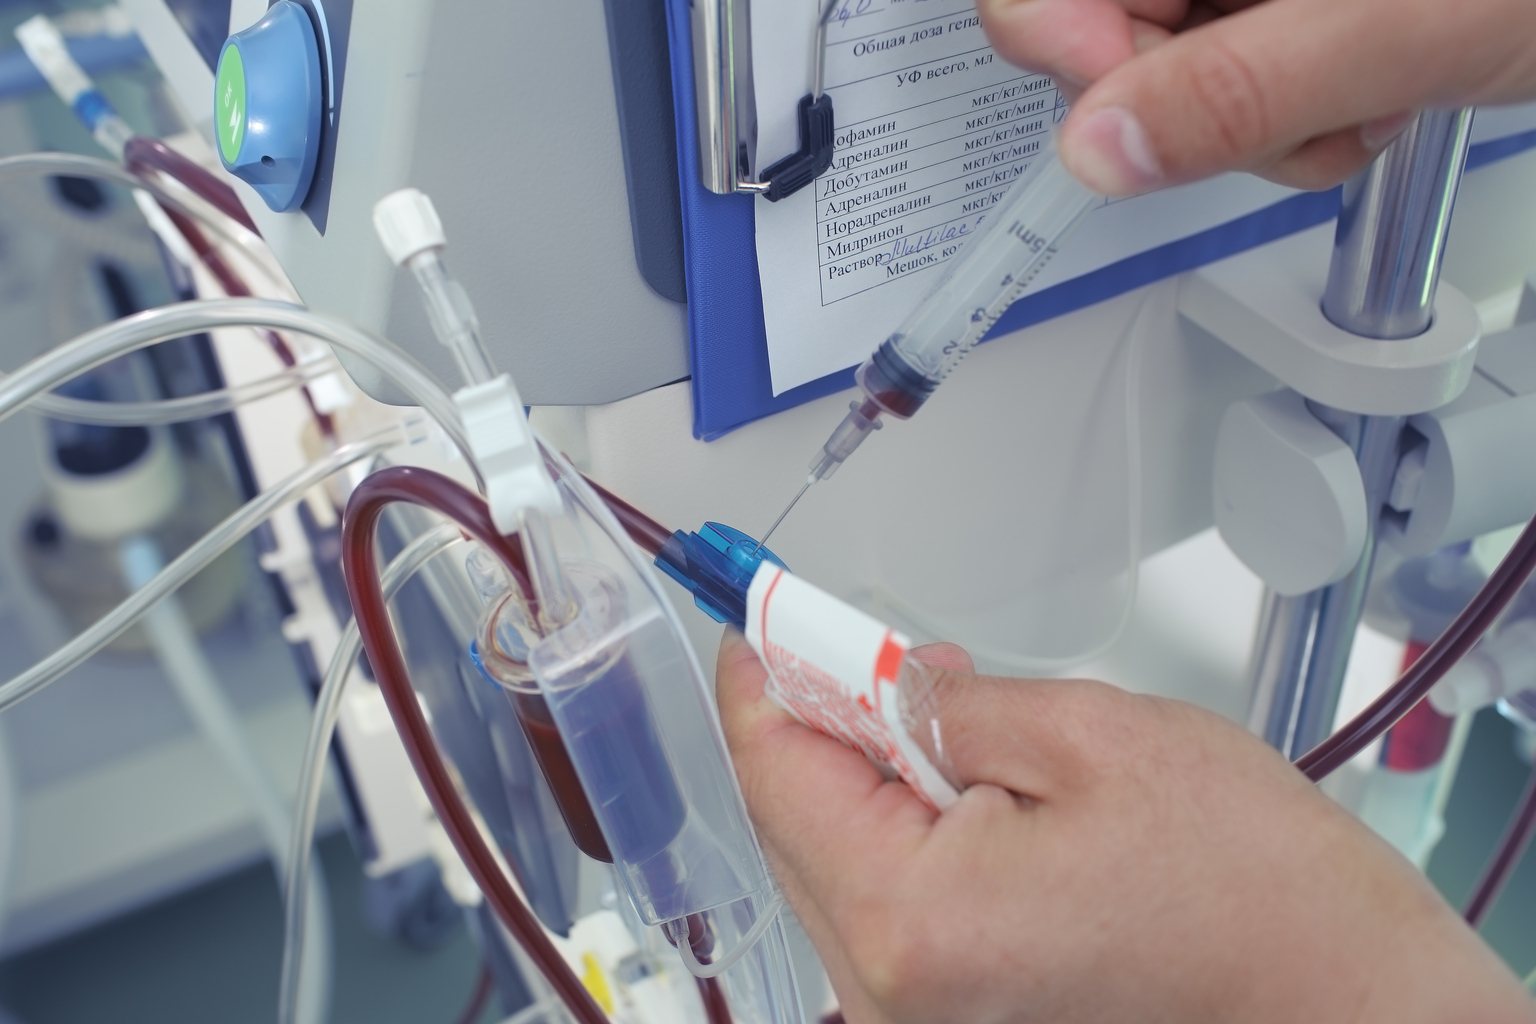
[1015, 240]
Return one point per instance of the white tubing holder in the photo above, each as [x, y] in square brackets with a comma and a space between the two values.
[504, 448]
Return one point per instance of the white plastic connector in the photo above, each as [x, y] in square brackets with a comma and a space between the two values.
[407, 224]
[506, 452]
[1501, 665]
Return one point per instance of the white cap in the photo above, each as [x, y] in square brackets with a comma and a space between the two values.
[407, 224]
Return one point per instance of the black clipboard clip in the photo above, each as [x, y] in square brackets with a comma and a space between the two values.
[725, 106]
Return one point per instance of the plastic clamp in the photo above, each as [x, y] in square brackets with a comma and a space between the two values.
[504, 448]
[794, 172]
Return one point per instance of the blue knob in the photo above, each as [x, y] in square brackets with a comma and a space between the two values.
[267, 101]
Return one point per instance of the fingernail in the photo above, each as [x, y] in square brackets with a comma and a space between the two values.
[1375, 135]
[1110, 153]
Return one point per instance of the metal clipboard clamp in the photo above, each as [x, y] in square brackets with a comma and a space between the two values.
[726, 107]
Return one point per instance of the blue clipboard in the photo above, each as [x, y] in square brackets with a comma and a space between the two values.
[728, 344]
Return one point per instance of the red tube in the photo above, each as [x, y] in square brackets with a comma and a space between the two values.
[1458, 638]
[1517, 834]
[485, 984]
[438, 493]
[646, 532]
[716, 1009]
[143, 153]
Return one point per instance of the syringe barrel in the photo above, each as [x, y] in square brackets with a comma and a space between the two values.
[1005, 252]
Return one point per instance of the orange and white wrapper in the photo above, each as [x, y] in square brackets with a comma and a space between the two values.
[838, 670]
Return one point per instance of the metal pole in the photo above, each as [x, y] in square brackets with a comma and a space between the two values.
[1279, 655]
[1387, 253]
[1390, 240]
[1375, 442]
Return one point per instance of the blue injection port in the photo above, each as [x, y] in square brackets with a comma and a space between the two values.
[716, 566]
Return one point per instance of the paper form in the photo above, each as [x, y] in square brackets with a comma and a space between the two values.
[931, 127]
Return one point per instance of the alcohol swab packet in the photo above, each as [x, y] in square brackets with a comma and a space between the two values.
[841, 672]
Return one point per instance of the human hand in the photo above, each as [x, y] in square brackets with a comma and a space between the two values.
[1304, 92]
[1115, 857]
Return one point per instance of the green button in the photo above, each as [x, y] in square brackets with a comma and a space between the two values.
[229, 103]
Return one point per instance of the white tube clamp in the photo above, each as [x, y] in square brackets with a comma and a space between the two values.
[506, 452]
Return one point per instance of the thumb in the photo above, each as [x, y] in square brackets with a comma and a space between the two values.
[1279, 87]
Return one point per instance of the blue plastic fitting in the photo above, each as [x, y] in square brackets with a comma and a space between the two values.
[268, 98]
[716, 565]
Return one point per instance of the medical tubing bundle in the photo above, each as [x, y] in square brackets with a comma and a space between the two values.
[299, 863]
[185, 219]
[436, 493]
[164, 411]
[129, 334]
[1506, 857]
[235, 286]
[1414, 684]
[45, 46]
[184, 566]
[143, 153]
[29, 165]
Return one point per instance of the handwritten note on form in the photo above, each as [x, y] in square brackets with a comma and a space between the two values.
[932, 126]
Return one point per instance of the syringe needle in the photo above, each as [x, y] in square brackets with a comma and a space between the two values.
[803, 488]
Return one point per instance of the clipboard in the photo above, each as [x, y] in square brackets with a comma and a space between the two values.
[728, 343]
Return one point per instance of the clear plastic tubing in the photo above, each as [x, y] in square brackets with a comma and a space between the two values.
[141, 330]
[1000, 258]
[74, 165]
[175, 410]
[322, 726]
[453, 316]
[203, 696]
[186, 565]
[458, 329]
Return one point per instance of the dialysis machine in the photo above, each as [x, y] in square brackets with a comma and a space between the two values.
[1051, 512]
